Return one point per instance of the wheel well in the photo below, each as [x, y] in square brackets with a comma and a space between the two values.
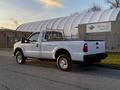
[17, 49]
[62, 51]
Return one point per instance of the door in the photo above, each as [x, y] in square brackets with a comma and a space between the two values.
[33, 46]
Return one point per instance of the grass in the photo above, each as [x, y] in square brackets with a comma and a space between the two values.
[113, 58]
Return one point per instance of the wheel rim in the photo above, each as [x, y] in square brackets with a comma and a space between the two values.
[19, 58]
[63, 63]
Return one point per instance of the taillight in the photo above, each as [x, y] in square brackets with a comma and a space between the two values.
[85, 48]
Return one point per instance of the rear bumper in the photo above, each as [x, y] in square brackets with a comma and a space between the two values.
[95, 57]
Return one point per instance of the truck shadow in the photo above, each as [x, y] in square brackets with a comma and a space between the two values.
[96, 70]
[79, 69]
[42, 63]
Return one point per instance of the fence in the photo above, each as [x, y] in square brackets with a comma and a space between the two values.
[8, 38]
[112, 40]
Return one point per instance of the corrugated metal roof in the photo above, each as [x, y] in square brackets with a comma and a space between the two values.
[69, 23]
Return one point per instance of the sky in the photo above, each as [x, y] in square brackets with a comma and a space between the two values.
[16, 12]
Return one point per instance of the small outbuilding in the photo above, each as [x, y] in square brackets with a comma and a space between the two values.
[99, 25]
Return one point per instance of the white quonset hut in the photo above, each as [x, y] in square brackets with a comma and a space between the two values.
[81, 25]
[69, 23]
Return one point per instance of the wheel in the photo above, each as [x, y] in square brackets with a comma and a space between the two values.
[20, 57]
[64, 62]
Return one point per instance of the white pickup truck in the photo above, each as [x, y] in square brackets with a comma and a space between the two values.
[52, 45]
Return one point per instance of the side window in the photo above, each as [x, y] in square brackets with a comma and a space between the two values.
[53, 36]
[57, 36]
[48, 36]
[34, 37]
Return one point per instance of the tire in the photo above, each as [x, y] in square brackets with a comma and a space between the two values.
[64, 62]
[20, 59]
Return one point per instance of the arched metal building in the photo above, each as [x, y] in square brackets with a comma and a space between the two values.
[69, 23]
[76, 25]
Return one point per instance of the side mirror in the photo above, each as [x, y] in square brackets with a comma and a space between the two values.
[27, 41]
[23, 40]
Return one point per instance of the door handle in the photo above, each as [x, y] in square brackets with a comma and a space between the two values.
[37, 44]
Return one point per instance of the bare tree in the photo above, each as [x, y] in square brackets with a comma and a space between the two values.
[94, 8]
[113, 3]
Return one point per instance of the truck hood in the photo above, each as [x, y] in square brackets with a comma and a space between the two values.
[17, 44]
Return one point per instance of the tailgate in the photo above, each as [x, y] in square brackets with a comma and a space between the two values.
[95, 47]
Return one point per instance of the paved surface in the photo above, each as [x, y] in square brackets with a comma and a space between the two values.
[44, 75]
